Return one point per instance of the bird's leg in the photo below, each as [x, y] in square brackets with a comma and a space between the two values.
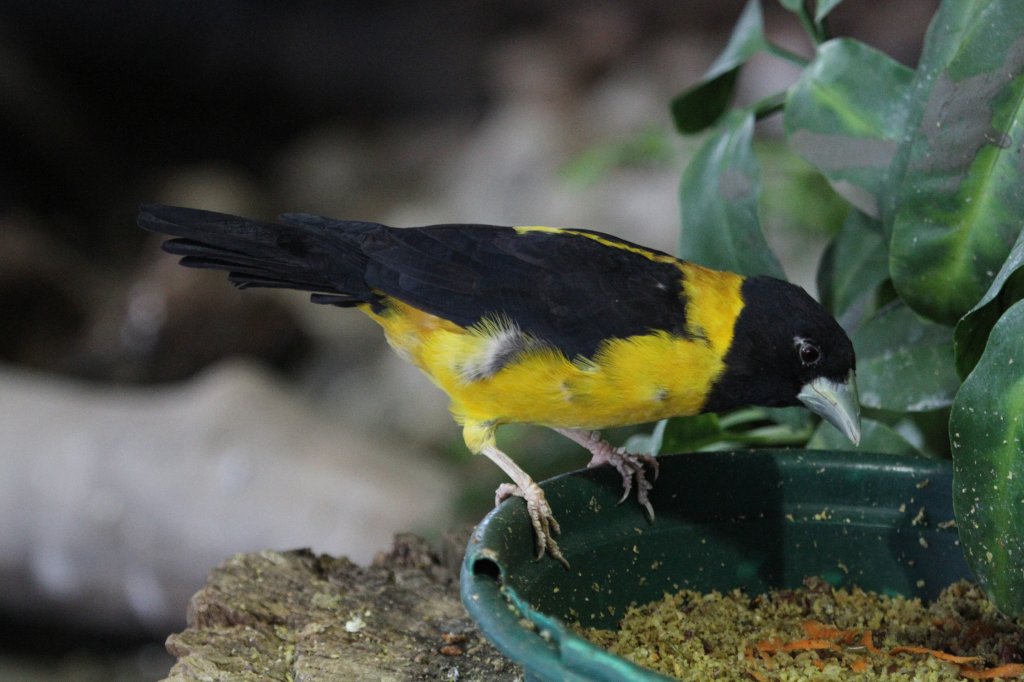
[629, 465]
[545, 527]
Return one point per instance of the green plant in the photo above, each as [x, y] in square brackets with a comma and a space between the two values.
[927, 270]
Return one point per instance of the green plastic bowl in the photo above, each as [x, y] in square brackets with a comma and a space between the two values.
[753, 519]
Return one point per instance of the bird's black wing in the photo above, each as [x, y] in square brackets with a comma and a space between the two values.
[568, 289]
[563, 288]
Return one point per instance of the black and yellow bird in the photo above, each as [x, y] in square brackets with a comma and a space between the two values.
[571, 329]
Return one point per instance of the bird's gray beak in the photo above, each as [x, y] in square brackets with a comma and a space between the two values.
[835, 402]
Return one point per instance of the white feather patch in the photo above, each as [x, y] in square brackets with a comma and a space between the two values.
[503, 343]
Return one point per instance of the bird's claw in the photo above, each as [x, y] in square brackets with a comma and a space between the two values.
[545, 527]
[632, 469]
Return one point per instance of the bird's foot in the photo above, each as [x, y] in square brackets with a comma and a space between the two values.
[545, 527]
[633, 469]
[631, 466]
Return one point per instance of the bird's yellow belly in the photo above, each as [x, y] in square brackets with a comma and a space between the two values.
[545, 388]
[629, 381]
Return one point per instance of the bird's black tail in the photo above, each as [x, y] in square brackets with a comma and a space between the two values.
[304, 252]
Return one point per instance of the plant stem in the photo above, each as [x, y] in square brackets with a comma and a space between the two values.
[782, 53]
[777, 435]
[768, 436]
[813, 31]
[825, 30]
[740, 417]
[769, 105]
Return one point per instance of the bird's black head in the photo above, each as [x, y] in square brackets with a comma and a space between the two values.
[787, 350]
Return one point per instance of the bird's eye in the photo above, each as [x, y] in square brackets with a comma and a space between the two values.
[809, 352]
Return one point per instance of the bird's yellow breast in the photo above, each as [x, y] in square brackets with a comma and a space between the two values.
[494, 374]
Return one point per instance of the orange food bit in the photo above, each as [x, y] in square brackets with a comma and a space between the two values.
[825, 637]
[1009, 671]
[818, 630]
[868, 642]
[810, 645]
[941, 655]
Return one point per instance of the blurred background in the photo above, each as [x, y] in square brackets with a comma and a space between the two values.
[154, 420]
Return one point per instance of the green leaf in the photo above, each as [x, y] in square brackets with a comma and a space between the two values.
[904, 363]
[960, 203]
[704, 103]
[686, 434]
[874, 437]
[792, 5]
[679, 434]
[846, 114]
[647, 443]
[973, 329]
[796, 418]
[795, 198]
[718, 197]
[986, 430]
[945, 32]
[855, 262]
